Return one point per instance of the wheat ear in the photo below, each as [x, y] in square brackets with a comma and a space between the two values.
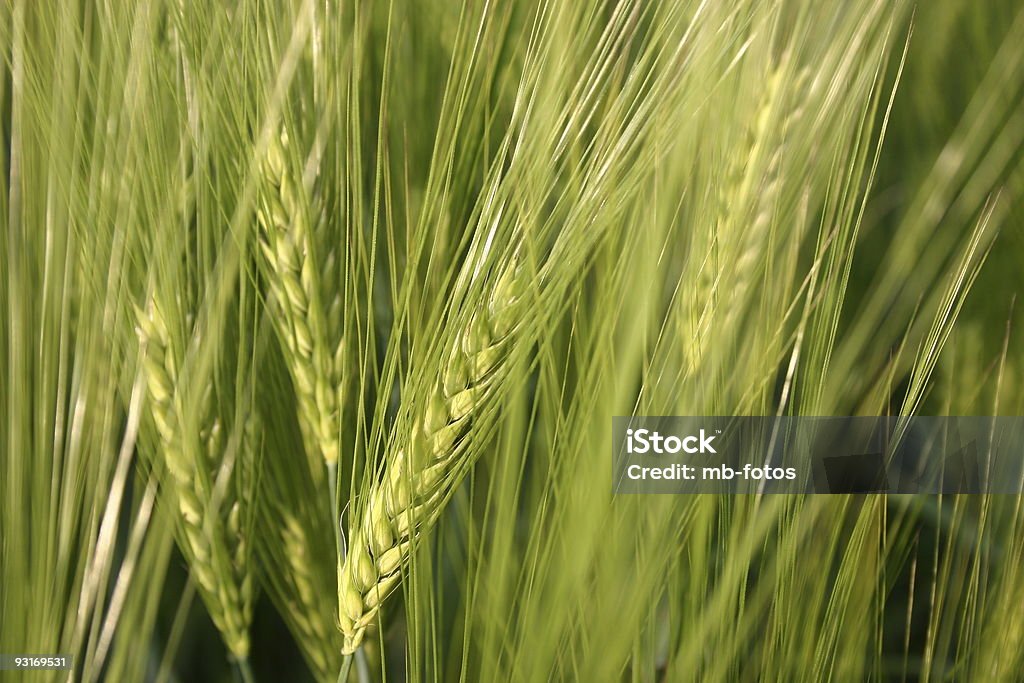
[310, 330]
[215, 544]
[430, 463]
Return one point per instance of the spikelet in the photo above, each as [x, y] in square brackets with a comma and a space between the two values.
[430, 462]
[306, 314]
[211, 533]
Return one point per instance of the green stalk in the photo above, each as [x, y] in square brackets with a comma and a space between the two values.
[346, 667]
[244, 670]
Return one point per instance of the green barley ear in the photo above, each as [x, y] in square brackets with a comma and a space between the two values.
[728, 257]
[211, 528]
[425, 468]
[298, 566]
[305, 613]
[306, 314]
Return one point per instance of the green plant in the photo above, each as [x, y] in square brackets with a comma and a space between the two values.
[306, 299]
[420, 476]
[320, 312]
[213, 529]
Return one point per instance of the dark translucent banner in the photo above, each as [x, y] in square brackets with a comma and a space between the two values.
[818, 455]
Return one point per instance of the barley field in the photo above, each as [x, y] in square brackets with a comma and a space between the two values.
[316, 314]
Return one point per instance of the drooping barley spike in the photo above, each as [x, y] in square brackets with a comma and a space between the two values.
[210, 529]
[428, 464]
[306, 314]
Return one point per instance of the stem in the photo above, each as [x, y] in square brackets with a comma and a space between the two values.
[332, 486]
[346, 667]
[244, 670]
